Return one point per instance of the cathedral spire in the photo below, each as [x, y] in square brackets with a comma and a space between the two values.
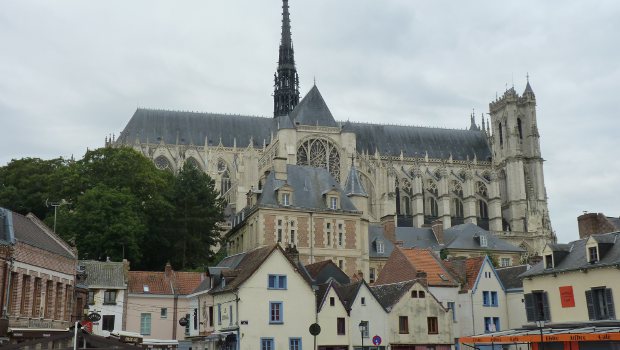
[286, 80]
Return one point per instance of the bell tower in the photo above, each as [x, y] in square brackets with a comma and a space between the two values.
[286, 80]
[515, 143]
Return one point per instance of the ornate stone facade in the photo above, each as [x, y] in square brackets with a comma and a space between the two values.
[490, 175]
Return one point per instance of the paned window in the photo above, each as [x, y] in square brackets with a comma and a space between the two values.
[275, 312]
[372, 275]
[491, 324]
[340, 326]
[91, 297]
[294, 344]
[366, 326]
[403, 324]
[505, 262]
[266, 344]
[277, 282]
[593, 254]
[109, 297]
[145, 324]
[433, 327]
[333, 203]
[107, 323]
[286, 199]
[163, 312]
[380, 247]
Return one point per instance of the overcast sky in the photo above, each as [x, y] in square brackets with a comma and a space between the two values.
[72, 72]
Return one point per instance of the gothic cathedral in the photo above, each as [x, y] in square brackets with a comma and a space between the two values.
[490, 174]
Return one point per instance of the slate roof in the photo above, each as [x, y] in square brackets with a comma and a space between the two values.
[159, 282]
[353, 186]
[32, 231]
[510, 276]
[463, 237]
[194, 127]
[244, 268]
[375, 234]
[102, 275]
[312, 110]
[320, 272]
[203, 286]
[416, 141]
[389, 294]
[576, 257]
[309, 184]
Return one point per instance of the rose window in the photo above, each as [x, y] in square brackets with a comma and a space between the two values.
[320, 153]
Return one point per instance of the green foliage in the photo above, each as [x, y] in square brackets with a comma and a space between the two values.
[120, 205]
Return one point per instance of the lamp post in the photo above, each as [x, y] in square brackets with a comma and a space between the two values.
[541, 324]
[362, 327]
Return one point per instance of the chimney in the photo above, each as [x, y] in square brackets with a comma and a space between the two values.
[437, 227]
[168, 270]
[593, 223]
[292, 253]
[421, 276]
[389, 227]
[279, 167]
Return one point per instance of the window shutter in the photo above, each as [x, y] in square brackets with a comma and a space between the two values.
[590, 303]
[611, 310]
[529, 307]
[546, 309]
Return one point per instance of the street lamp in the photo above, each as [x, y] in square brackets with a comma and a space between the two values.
[362, 326]
[541, 324]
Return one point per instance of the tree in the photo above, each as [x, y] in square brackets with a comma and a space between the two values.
[27, 184]
[106, 222]
[198, 212]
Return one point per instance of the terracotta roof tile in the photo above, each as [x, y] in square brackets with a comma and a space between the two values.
[161, 283]
[403, 265]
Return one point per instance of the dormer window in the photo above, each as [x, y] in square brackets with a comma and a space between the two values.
[549, 261]
[285, 198]
[593, 255]
[380, 247]
[483, 241]
[333, 203]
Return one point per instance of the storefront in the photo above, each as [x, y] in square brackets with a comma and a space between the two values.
[585, 338]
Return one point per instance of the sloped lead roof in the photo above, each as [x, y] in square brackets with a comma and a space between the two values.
[354, 185]
[192, 128]
[312, 110]
[308, 183]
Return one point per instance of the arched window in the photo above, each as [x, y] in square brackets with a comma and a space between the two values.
[222, 169]
[483, 209]
[501, 135]
[519, 127]
[320, 153]
[433, 207]
[406, 205]
[457, 207]
[481, 189]
[193, 162]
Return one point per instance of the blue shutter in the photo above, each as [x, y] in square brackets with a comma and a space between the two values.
[485, 298]
[282, 282]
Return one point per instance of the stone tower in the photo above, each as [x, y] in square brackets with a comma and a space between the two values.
[515, 144]
[286, 80]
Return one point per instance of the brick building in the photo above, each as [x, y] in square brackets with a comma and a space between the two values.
[38, 273]
[596, 223]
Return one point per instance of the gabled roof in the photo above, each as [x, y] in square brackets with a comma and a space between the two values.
[461, 237]
[510, 276]
[168, 282]
[322, 271]
[33, 232]
[250, 262]
[466, 270]
[404, 264]
[101, 275]
[389, 294]
[576, 257]
[312, 110]
[308, 184]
